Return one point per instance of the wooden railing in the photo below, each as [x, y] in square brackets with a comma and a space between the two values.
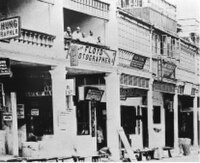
[91, 7]
[35, 38]
[94, 4]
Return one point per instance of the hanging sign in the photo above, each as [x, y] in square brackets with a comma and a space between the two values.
[167, 69]
[73, 55]
[4, 66]
[10, 28]
[2, 100]
[94, 94]
[7, 116]
[70, 87]
[92, 54]
[35, 112]
[138, 61]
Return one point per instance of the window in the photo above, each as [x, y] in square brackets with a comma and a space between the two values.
[83, 127]
[156, 115]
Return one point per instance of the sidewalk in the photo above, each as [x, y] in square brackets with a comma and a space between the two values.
[193, 157]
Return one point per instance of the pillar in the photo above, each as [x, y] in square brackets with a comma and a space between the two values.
[175, 106]
[113, 113]
[150, 112]
[15, 146]
[195, 125]
[58, 75]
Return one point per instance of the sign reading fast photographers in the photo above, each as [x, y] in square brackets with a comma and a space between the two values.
[9, 28]
[90, 53]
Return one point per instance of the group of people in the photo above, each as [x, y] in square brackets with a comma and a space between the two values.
[81, 36]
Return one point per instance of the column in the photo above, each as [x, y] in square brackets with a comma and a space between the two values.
[150, 112]
[15, 146]
[175, 106]
[58, 75]
[195, 125]
[113, 113]
[57, 27]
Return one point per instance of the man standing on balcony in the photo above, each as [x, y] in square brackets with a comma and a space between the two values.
[76, 35]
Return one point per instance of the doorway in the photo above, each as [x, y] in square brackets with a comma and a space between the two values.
[145, 127]
[101, 125]
[128, 120]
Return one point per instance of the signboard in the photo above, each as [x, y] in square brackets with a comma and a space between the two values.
[7, 116]
[63, 116]
[73, 55]
[138, 61]
[35, 112]
[167, 69]
[4, 66]
[131, 92]
[20, 111]
[10, 28]
[2, 102]
[92, 54]
[164, 87]
[70, 87]
[187, 89]
[94, 94]
[93, 119]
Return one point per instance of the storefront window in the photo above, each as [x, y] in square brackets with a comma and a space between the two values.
[83, 118]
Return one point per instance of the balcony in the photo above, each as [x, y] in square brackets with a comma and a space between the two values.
[31, 46]
[90, 7]
[35, 38]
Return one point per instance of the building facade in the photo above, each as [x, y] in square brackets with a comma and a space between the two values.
[119, 71]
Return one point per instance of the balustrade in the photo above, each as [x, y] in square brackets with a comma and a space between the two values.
[35, 38]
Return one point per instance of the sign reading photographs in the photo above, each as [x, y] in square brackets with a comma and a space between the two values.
[138, 61]
[10, 28]
[89, 53]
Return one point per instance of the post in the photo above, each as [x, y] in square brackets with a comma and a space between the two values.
[175, 106]
[195, 125]
[15, 145]
[150, 112]
[113, 113]
[58, 75]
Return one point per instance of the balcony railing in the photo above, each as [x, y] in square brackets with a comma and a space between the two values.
[35, 38]
[91, 7]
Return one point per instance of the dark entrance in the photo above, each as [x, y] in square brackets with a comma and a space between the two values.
[145, 127]
[101, 125]
[169, 120]
[128, 120]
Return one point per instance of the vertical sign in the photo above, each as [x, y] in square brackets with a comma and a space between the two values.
[1, 97]
[4, 66]
[9, 28]
[93, 125]
[73, 55]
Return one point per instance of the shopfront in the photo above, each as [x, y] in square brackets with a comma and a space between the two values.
[163, 113]
[26, 108]
[134, 110]
[187, 115]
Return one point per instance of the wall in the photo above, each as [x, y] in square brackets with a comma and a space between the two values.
[158, 137]
[186, 66]
[133, 37]
[35, 15]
